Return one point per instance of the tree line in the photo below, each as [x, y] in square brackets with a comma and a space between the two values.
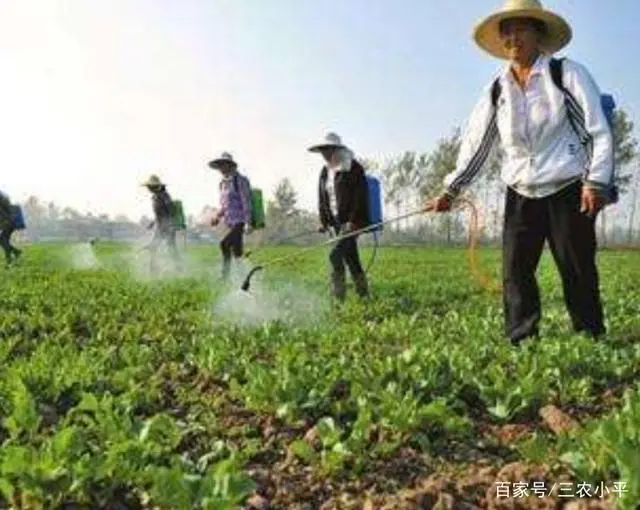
[412, 178]
[408, 181]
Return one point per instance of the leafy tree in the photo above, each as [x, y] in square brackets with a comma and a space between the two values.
[402, 179]
[441, 162]
[635, 188]
[626, 151]
[285, 198]
[626, 148]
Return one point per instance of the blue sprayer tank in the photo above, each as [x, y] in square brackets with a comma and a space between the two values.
[18, 217]
[375, 202]
[609, 106]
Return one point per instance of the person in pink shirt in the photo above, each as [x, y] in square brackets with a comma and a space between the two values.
[235, 209]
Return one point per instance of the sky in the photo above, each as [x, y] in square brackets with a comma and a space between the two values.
[97, 95]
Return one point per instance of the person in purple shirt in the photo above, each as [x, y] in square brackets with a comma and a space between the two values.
[235, 209]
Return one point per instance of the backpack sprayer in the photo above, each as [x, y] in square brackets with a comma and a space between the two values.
[178, 223]
[376, 223]
[17, 217]
[179, 220]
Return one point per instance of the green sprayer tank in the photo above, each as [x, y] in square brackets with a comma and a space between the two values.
[178, 215]
[257, 209]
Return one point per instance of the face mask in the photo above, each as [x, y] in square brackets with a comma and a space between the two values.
[341, 160]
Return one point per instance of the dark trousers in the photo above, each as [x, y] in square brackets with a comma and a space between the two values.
[168, 236]
[232, 244]
[346, 251]
[5, 243]
[572, 240]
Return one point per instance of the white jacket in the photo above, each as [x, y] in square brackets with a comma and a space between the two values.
[542, 150]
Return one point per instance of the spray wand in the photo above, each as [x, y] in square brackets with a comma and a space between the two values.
[247, 282]
[286, 239]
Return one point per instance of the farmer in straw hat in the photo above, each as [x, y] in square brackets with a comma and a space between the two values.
[235, 209]
[342, 206]
[554, 184]
[164, 225]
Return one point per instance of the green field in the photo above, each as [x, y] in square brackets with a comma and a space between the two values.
[122, 391]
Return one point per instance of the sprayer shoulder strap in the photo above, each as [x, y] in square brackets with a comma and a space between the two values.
[166, 200]
[575, 112]
[555, 66]
[236, 182]
[496, 89]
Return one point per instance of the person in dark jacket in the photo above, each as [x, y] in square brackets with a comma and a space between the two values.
[235, 209]
[163, 223]
[7, 224]
[343, 208]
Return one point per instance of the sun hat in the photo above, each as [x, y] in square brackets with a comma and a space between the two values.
[331, 140]
[153, 181]
[225, 158]
[487, 32]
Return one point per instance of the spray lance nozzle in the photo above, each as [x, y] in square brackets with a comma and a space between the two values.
[247, 281]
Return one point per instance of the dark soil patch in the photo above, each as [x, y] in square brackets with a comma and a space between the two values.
[456, 475]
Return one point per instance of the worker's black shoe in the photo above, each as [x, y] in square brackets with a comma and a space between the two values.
[595, 335]
[517, 342]
[362, 286]
[339, 286]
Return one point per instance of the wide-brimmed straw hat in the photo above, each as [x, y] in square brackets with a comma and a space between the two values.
[487, 32]
[330, 141]
[153, 182]
[224, 159]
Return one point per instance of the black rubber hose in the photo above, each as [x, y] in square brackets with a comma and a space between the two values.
[247, 281]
